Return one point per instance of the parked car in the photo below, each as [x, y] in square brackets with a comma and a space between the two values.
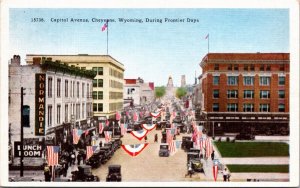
[194, 158]
[108, 152]
[187, 143]
[164, 150]
[117, 141]
[95, 160]
[84, 173]
[114, 173]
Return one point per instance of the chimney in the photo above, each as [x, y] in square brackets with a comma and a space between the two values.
[16, 60]
[36, 61]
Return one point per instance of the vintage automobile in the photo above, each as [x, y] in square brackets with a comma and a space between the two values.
[111, 146]
[84, 173]
[117, 141]
[114, 173]
[194, 158]
[163, 137]
[164, 150]
[108, 152]
[187, 143]
[96, 159]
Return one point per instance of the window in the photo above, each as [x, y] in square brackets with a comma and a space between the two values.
[77, 89]
[248, 108]
[246, 67]
[83, 110]
[95, 95]
[232, 80]
[100, 82]
[264, 107]
[73, 89]
[82, 90]
[216, 80]
[98, 70]
[229, 67]
[26, 117]
[66, 88]
[264, 94]
[49, 116]
[281, 108]
[281, 67]
[216, 67]
[215, 93]
[281, 80]
[232, 107]
[261, 67]
[88, 90]
[58, 114]
[252, 68]
[216, 107]
[268, 68]
[100, 107]
[77, 111]
[281, 94]
[232, 94]
[248, 80]
[100, 95]
[66, 113]
[83, 68]
[50, 80]
[264, 80]
[236, 67]
[248, 94]
[58, 87]
[95, 83]
[95, 107]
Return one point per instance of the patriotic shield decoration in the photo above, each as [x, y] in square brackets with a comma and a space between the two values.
[149, 127]
[139, 134]
[215, 171]
[135, 149]
[155, 114]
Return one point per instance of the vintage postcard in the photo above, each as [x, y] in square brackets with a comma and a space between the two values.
[152, 93]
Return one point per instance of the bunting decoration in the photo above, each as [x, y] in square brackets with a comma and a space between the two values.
[139, 134]
[108, 135]
[149, 127]
[155, 114]
[76, 135]
[215, 171]
[90, 151]
[134, 149]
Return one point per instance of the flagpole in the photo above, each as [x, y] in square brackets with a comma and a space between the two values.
[107, 39]
[207, 44]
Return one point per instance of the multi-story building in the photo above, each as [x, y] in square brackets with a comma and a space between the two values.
[245, 90]
[56, 100]
[107, 85]
[138, 91]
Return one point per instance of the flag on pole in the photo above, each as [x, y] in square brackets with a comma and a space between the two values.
[107, 123]
[107, 135]
[118, 116]
[52, 155]
[123, 128]
[215, 171]
[76, 135]
[207, 36]
[208, 147]
[101, 127]
[135, 116]
[104, 27]
[90, 151]
[86, 132]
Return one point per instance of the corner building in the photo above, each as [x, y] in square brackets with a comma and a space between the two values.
[245, 92]
[107, 85]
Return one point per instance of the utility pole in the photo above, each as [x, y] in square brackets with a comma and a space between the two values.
[22, 134]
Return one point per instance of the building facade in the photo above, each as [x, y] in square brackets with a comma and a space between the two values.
[245, 91]
[56, 99]
[138, 91]
[107, 85]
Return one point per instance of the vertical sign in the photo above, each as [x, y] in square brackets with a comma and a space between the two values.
[40, 100]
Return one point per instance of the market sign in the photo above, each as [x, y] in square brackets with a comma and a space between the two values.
[29, 150]
[40, 100]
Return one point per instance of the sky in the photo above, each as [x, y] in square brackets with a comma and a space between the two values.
[153, 51]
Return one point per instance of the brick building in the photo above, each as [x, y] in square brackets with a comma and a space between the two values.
[245, 91]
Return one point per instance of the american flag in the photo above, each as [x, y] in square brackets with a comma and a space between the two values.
[170, 134]
[90, 151]
[199, 131]
[201, 143]
[52, 155]
[135, 116]
[101, 127]
[104, 26]
[107, 123]
[207, 36]
[174, 146]
[194, 125]
[208, 147]
[123, 128]
[76, 135]
[118, 116]
[107, 135]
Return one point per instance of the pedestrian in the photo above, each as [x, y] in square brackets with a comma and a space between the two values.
[155, 138]
[190, 170]
[47, 173]
[212, 155]
[146, 138]
[65, 166]
[78, 158]
[225, 174]
[100, 144]
[73, 158]
[83, 157]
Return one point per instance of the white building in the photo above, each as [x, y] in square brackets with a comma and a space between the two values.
[56, 98]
